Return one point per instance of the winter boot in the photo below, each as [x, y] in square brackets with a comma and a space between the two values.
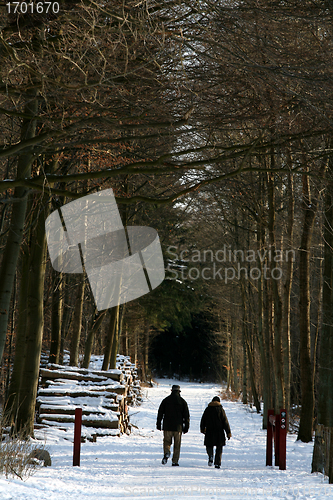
[210, 461]
[165, 458]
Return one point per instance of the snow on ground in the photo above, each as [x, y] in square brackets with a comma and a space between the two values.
[130, 466]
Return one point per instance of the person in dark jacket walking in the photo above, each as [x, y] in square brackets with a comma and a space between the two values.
[174, 412]
[214, 424]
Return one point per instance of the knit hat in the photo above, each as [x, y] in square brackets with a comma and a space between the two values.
[175, 388]
[216, 398]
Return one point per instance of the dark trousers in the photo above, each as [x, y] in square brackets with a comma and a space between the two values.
[218, 453]
[167, 441]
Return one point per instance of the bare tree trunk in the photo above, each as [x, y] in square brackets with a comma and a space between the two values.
[306, 366]
[125, 342]
[256, 401]
[263, 326]
[96, 323]
[66, 312]
[234, 358]
[244, 395]
[135, 346]
[19, 208]
[121, 334]
[318, 456]
[263, 334]
[77, 323]
[56, 313]
[330, 468]
[325, 361]
[111, 333]
[287, 295]
[116, 338]
[34, 327]
[278, 358]
[146, 348]
[319, 323]
[20, 345]
[247, 351]
[30, 324]
[228, 356]
[264, 354]
[11, 338]
[269, 332]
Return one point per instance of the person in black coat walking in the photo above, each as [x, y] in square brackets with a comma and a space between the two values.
[174, 412]
[214, 424]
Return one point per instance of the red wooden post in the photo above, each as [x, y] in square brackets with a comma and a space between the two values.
[277, 439]
[77, 436]
[283, 440]
[269, 440]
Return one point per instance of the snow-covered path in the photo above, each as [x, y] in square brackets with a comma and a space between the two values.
[130, 466]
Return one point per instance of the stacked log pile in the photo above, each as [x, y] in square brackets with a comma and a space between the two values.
[103, 396]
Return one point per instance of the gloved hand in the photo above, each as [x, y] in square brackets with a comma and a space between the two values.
[185, 429]
[158, 426]
[229, 435]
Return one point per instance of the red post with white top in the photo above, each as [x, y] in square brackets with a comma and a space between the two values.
[277, 432]
[283, 440]
[77, 437]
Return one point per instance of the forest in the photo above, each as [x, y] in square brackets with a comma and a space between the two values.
[212, 123]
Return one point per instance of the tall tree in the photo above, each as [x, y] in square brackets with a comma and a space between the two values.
[306, 365]
[325, 363]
